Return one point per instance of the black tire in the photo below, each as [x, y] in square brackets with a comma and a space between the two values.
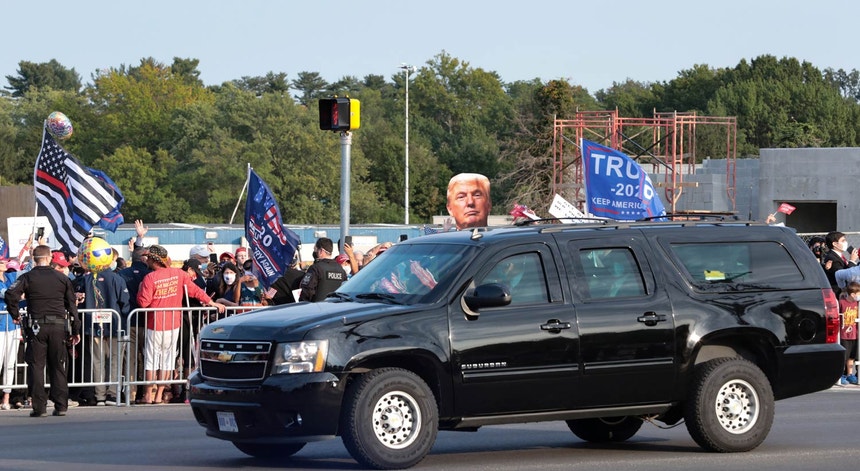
[730, 405]
[389, 419]
[269, 450]
[605, 429]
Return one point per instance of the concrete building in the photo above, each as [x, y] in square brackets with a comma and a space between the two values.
[819, 182]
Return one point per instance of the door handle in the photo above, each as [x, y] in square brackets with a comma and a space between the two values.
[555, 325]
[651, 318]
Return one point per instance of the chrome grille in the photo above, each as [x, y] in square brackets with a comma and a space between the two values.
[234, 361]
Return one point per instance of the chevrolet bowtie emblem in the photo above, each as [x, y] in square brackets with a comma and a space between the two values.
[225, 357]
[217, 330]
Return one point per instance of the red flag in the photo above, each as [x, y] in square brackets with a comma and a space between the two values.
[786, 208]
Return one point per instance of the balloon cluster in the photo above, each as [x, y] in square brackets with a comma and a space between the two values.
[59, 125]
[95, 254]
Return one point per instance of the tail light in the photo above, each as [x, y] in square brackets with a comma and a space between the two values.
[831, 316]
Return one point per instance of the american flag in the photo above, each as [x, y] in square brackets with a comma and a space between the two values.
[70, 197]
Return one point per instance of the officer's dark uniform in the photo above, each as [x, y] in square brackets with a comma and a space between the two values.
[289, 281]
[50, 295]
[322, 278]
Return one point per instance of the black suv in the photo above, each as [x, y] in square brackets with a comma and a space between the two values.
[600, 325]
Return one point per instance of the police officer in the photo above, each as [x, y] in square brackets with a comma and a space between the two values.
[51, 304]
[324, 276]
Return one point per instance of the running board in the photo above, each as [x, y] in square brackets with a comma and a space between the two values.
[650, 409]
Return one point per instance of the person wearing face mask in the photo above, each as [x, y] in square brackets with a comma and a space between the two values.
[227, 290]
[837, 257]
[200, 253]
[848, 308]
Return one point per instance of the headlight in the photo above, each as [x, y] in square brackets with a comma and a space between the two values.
[300, 357]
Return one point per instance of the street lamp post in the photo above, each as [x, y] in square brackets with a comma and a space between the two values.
[407, 69]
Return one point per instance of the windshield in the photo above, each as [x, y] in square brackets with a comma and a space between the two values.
[409, 273]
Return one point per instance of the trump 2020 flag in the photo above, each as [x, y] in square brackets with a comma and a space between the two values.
[272, 245]
[4, 249]
[114, 218]
[71, 197]
[616, 187]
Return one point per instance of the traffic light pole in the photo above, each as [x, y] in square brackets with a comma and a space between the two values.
[345, 150]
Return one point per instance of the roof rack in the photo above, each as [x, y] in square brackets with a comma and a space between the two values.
[694, 216]
[527, 222]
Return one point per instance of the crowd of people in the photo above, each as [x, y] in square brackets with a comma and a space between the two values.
[841, 264]
[70, 347]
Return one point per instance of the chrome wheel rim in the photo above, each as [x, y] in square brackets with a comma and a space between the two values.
[396, 419]
[737, 406]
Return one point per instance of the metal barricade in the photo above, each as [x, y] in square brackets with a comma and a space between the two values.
[161, 349]
[95, 362]
[12, 345]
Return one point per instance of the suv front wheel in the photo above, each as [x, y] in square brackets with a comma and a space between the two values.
[390, 419]
[730, 405]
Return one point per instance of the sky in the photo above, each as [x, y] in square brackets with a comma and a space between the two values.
[592, 44]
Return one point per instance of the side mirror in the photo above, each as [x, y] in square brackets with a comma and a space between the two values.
[488, 295]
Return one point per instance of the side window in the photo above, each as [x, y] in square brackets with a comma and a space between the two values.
[523, 274]
[749, 264]
[611, 273]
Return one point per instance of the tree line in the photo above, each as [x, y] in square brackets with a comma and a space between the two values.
[179, 150]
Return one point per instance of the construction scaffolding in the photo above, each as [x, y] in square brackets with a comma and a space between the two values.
[669, 142]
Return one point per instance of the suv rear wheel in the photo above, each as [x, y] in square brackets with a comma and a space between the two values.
[390, 419]
[730, 405]
[605, 429]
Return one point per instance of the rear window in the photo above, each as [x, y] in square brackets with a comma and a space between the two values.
[737, 265]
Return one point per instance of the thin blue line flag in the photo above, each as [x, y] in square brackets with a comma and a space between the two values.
[272, 245]
[616, 187]
[71, 197]
[113, 219]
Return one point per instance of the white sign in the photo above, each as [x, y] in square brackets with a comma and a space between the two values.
[20, 229]
[102, 317]
[563, 209]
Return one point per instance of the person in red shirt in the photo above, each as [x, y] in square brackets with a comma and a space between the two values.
[848, 307]
[164, 287]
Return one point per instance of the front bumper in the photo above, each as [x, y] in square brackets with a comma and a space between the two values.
[282, 409]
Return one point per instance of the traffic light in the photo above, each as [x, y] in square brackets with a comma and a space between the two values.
[339, 114]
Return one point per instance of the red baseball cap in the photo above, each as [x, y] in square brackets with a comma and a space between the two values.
[226, 256]
[59, 259]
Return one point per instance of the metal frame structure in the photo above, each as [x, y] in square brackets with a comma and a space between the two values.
[667, 140]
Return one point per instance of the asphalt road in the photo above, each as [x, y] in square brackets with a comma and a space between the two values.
[817, 431]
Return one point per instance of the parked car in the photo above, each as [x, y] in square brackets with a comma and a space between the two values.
[600, 325]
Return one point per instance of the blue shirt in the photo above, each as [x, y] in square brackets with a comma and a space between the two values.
[6, 323]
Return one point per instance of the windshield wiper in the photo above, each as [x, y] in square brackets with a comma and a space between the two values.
[341, 296]
[389, 298]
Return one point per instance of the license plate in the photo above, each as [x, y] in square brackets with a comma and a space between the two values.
[227, 422]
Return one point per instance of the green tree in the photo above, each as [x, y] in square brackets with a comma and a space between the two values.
[134, 106]
[691, 90]
[271, 83]
[784, 103]
[50, 74]
[310, 86]
[145, 180]
[346, 86]
[848, 83]
[186, 70]
[630, 98]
